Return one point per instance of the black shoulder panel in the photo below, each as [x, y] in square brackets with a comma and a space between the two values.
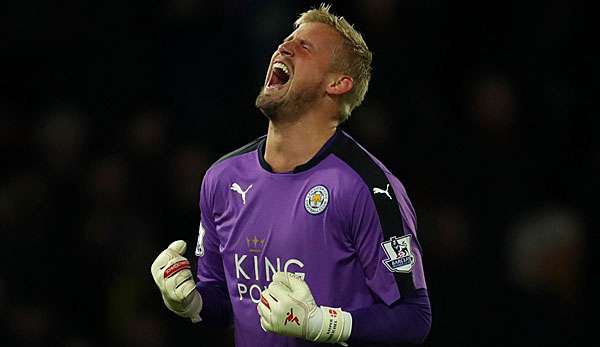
[242, 150]
[387, 209]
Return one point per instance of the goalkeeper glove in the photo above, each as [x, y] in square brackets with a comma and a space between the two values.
[287, 307]
[171, 272]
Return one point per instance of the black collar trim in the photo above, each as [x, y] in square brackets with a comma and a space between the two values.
[321, 154]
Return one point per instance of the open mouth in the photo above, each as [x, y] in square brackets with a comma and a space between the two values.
[279, 76]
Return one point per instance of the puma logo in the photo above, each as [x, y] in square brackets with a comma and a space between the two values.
[381, 191]
[236, 188]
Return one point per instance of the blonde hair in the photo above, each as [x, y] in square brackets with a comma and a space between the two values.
[354, 57]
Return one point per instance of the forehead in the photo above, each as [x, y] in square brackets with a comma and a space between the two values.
[319, 34]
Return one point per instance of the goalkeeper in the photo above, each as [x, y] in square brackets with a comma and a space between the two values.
[304, 236]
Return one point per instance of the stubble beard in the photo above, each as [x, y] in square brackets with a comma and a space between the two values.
[289, 108]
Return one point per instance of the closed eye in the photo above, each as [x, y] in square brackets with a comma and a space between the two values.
[305, 44]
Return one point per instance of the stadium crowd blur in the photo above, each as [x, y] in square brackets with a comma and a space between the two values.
[113, 110]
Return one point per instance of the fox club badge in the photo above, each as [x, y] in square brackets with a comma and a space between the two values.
[400, 257]
[316, 199]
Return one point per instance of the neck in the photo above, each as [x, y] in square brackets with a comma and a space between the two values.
[290, 144]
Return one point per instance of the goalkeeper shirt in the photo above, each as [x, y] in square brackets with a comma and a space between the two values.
[341, 221]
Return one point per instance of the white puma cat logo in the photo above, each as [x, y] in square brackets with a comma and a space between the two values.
[236, 188]
[381, 191]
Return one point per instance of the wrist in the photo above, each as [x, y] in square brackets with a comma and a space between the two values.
[190, 307]
[347, 328]
[330, 325]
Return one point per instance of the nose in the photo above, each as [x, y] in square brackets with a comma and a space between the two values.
[286, 49]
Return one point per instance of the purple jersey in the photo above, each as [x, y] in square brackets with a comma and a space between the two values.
[341, 221]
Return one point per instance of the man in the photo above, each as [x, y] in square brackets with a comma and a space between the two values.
[304, 216]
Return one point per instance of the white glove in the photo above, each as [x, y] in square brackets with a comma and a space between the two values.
[287, 307]
[172, 275]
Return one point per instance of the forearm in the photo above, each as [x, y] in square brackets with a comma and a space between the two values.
[216, 308]
[408, 320]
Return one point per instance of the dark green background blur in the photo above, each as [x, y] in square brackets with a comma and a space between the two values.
[111, 111]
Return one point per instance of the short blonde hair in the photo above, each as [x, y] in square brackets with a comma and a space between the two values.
[354, 57]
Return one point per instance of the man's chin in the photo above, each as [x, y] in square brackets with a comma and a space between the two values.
[270, 112]
[267, 105]
[284, 107]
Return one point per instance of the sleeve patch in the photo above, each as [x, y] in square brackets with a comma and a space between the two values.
[400, 255]
[200, 244]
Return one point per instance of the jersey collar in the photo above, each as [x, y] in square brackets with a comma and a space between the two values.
[321, 154]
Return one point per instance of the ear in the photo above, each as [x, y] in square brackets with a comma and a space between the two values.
[340, 85]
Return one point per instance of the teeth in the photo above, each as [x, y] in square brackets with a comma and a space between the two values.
[282, 67]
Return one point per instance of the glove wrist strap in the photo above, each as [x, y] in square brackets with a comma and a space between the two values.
[192, 307]
[336, 325]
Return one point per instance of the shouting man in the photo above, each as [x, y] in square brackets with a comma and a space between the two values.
[305, 237]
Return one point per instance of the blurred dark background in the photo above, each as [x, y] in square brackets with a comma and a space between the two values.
[111, 111]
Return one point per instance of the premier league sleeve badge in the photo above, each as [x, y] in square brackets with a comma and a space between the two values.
[400, 257]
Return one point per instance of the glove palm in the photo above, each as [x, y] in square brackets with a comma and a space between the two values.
[287, 307]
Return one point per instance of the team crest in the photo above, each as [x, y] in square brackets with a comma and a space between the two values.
[400, 257]
[316, 199]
